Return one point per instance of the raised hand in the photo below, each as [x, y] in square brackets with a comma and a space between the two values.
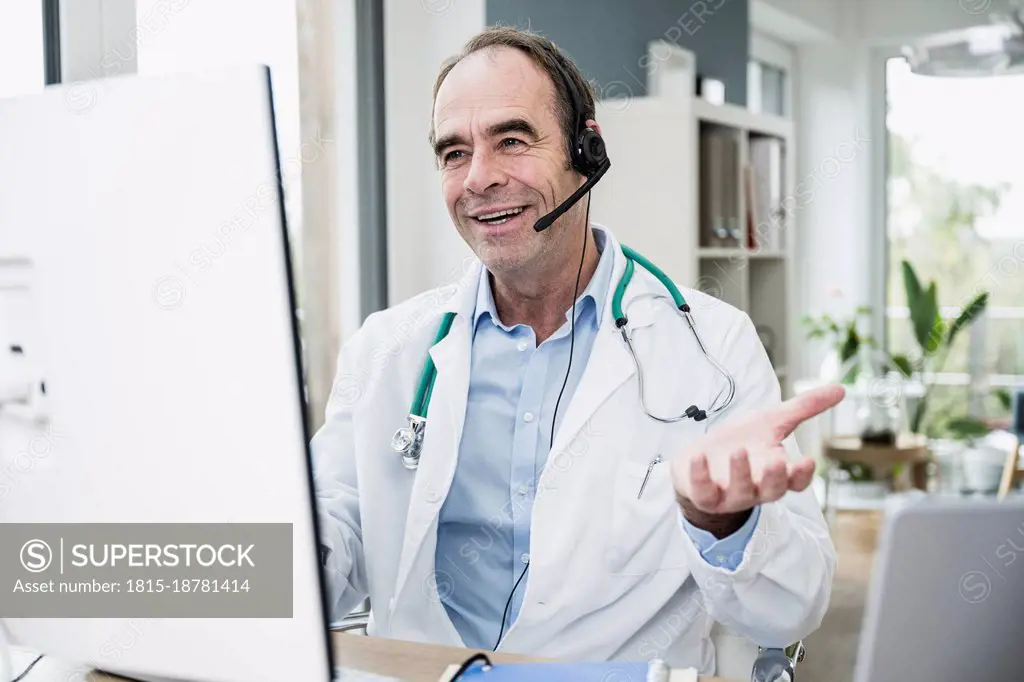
[742, 463]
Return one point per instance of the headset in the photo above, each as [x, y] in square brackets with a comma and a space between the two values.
[587, 152]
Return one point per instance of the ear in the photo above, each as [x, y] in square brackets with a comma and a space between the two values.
[591, 123]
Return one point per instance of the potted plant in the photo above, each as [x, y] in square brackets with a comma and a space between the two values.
[847, 344]
[949, 441]
[845, 340]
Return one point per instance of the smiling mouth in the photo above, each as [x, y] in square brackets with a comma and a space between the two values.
[499, 217]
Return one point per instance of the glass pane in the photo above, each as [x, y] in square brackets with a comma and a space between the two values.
[773, 90]
[944, 404]
[22, 52]
[1004, 346]
[216, 33]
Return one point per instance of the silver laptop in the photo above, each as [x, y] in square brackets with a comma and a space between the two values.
[947, 595]
[147, 215]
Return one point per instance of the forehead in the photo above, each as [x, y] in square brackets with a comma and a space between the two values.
[493, 85]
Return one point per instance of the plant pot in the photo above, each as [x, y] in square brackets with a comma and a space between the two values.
[948, 456]
[983, 468]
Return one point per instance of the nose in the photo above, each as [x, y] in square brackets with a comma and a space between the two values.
[485, 172]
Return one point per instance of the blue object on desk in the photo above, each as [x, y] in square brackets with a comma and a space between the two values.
[611, 671]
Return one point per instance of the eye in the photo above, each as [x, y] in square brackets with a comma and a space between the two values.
[510, 142]
[452, 156]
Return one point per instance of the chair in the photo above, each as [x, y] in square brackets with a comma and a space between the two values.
[765, 665]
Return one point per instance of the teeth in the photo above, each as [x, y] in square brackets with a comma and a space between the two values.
[500, 214]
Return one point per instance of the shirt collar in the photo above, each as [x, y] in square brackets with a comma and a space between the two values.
[595, 292]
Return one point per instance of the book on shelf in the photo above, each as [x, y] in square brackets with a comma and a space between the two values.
[765, 188]
[719, 206]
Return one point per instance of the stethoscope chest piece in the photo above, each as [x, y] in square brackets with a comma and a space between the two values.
[408, 441]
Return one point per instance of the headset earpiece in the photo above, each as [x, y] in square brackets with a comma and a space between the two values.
[589, 152]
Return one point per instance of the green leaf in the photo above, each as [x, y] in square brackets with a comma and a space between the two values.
[850, 345]
[902, 363]
[911, 284]
[937, 333]
[967, 427]
[967, 316]
[1004, 398]
[924, 309]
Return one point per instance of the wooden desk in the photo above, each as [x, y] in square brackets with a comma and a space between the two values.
[407, 661]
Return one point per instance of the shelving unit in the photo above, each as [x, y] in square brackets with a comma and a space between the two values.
[730, 239]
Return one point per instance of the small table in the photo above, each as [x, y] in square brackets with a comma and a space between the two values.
[911, 449]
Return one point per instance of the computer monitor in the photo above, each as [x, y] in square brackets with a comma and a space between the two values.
[150, 211]
[947, 595]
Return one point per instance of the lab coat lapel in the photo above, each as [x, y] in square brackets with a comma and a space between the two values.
[610, 363]
[445, 417]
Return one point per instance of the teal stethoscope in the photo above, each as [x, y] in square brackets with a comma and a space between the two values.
[408, 440]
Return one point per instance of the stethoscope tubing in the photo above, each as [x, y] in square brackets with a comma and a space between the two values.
[408, 440]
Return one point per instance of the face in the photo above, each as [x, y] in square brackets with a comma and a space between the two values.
[503, 159]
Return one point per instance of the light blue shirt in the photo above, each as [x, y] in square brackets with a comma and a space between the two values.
[483, 537]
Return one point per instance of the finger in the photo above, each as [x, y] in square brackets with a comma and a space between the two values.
[741, 485]
[704, 492]
[775, 480]
[790, 414]
[801, 474]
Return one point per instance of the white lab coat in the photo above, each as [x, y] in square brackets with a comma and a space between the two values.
[611, 576]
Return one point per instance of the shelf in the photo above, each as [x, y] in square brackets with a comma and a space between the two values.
[725, 252]
[721, 252]
[738, 117]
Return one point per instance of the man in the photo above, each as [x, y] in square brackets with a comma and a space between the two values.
[542, 517]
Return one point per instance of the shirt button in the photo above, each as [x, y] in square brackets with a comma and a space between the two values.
[523, 345]
[525, 558]
[528, 416]
[523, 489]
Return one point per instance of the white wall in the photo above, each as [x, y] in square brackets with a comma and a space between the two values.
[834, 165]
[797, 21]
[424, 250]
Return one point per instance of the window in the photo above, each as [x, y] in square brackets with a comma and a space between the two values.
[22, 48]
[769, 76]
[179, 37]
[767, 94]
[955, 211]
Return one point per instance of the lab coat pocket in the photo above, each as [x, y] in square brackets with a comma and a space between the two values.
[645, 534]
